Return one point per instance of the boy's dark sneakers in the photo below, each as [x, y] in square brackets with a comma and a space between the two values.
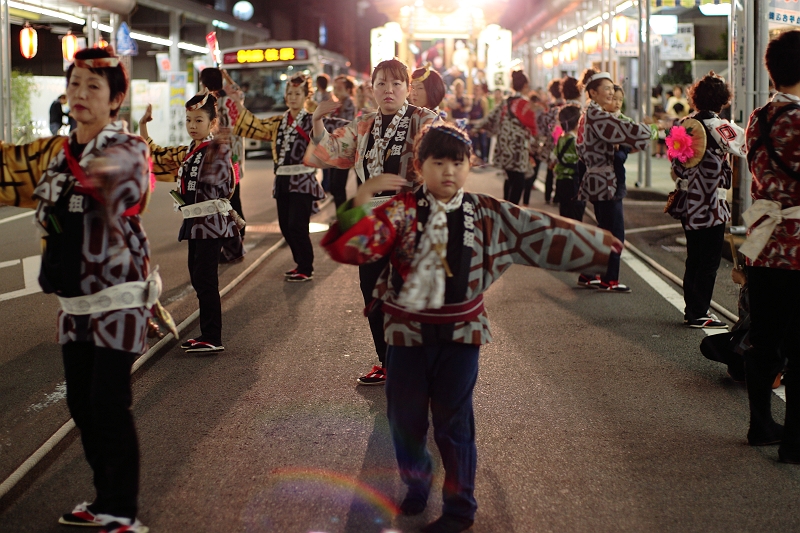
[82, 516]
[205, 347]
[413, 504]
[297, 277]
[448, 524]
[765, 437]
[291, 272]
[586, 281]
[188, 344]
[790, 457]
[376, 376]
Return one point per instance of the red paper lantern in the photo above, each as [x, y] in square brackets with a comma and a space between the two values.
[28, 41]
[69, 45]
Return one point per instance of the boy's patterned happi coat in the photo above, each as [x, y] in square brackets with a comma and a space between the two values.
[598, 132]
[346, 146]
[503, 235]
[206, 175]
[770, 182]
[114, 248]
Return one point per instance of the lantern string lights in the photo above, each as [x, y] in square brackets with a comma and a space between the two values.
[28, 41]
[69, 45]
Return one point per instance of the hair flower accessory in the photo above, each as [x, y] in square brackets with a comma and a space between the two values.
[687, 143]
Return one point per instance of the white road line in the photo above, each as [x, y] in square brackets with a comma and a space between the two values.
[652, 228]
[17, 217]
[9, 263]
[30, 272]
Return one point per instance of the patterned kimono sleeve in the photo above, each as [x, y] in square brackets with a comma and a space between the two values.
[508, 234]
[217, 167]
[21, 167]
[166, 160]
[250, 126]
[491, 123]
[360, 236]
[130, 181]
[337, 149]
[334, 123]
[617, 131]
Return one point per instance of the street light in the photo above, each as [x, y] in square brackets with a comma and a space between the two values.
[28, 41]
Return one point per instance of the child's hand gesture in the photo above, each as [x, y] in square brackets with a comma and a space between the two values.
[381, 182]
[147, 117]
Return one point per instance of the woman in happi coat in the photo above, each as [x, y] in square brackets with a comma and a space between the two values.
[599, 132]
[374, 144]
[88, 191]
[514, 124]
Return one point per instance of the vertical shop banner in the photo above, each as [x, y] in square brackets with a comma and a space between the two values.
[177, 108]
[784, 12]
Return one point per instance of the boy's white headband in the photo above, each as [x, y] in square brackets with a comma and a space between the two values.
[600, 76]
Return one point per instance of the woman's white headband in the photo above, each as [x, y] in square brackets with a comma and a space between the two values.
[600, 76]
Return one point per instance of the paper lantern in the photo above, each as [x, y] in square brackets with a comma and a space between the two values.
[28, 41]
[69, 45]
[102, 44]
[590, 42]
[573, 49]
[547, 59]
[621, 29]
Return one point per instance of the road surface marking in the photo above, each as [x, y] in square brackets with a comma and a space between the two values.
[30, 272]
[17, 217]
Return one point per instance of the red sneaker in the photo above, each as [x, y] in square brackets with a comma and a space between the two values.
[376, 376]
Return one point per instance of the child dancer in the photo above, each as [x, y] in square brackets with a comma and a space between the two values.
[440, 242]
[568, 168]
[206, 180]
[296, 188]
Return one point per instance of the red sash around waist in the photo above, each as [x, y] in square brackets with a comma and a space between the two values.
[447, 314]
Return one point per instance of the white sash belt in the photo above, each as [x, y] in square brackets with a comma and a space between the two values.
[377, 201]
[204, 209]
[294, 170]
[123, 296]
[759, 235]
[722, 194]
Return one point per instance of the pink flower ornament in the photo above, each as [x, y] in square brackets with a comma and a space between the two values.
[679, 144]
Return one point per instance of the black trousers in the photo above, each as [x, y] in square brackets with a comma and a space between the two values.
[513, 186]
[610, 217]
[775, 333]
[204, 257]
[294, 214]
[338, 185]
[568, 205]
[368, 275]
[526, 191]
[99, 400]
[548, 185]
[703, 253]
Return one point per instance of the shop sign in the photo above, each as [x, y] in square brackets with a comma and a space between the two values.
[678, 47]
[784, 12]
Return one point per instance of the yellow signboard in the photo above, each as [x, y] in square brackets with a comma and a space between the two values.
[268, 55]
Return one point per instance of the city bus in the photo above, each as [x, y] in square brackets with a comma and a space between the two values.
[262, 69]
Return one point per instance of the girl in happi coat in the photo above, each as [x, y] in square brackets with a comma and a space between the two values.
[705, 211]
[88, 191]
[296, 189]
[599, 132]
[441, 244]
[206, 181]
[427, 89]
[374, 144]
[227, 112]
[343, 90]
[546, 125]
[514, 124]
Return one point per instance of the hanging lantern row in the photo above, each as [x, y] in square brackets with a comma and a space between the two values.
[28, 41]
[69, 45]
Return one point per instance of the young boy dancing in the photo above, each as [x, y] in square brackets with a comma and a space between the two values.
[444, 246]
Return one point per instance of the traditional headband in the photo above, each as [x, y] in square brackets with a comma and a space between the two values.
[427, 67]
[458, 134]
[199, 104]
[298, 79]
[98, 62]
[601, 76]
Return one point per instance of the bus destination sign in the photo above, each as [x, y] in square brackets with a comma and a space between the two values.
[268, 55]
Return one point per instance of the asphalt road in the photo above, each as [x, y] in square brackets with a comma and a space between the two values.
[594, 412]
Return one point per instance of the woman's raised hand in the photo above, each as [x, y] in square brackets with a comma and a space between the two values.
[325, 108]
[148, 115]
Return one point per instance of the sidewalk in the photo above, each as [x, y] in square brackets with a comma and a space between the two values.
[661, 181]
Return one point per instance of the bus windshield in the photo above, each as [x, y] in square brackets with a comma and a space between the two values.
[264, 87]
